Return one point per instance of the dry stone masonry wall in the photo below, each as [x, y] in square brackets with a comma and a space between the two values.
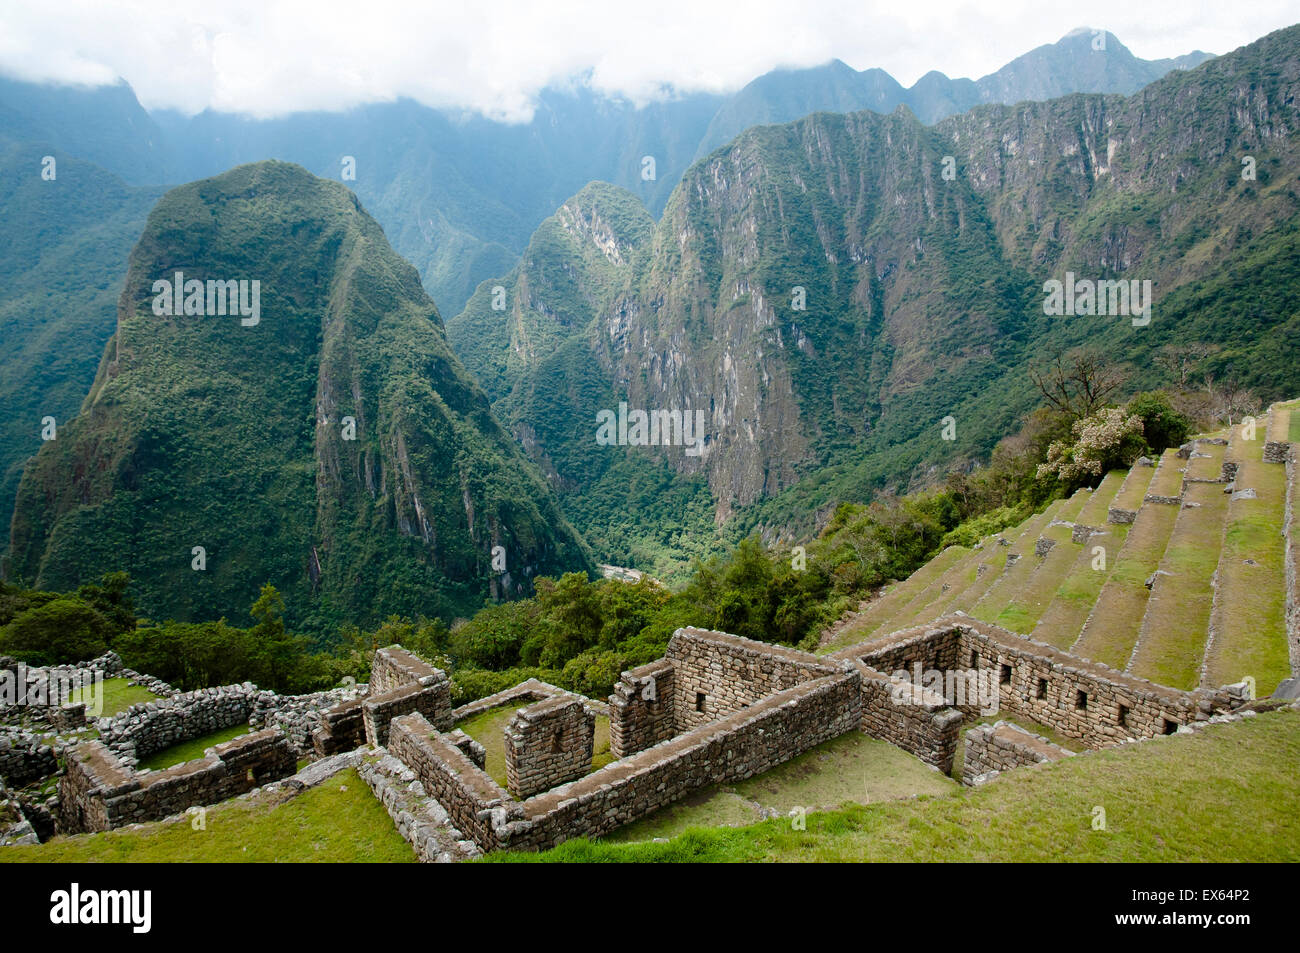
[99, 792]
[547, 744]
[992, 749]
[154, 726]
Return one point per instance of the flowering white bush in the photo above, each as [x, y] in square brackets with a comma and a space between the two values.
[1100, 442]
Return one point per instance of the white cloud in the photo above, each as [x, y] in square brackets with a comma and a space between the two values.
[269, 57]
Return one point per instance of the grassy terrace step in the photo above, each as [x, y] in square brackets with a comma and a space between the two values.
[1133, 491]
[1171, 641]
[1249, 618]
[1022, 543]
[1207, 464]
[1077, 594]
[1168, 478]
[1280, 422]
[1065, 616]
[894, 598]
[930, 604]
[999, 603]
[1027, 606]
[1112, 626]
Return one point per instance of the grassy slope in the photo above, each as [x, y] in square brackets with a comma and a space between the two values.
[338, 822]
[1154, 795]
[1025, 607]
[1112, 626]
[1171, 642]
[1000, 604]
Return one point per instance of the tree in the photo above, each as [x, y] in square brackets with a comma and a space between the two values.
[58, 632]
[275, 651]
[1077, 385]
[112, 600]
[1162, 425]
[1102, 442]
[1181, 360]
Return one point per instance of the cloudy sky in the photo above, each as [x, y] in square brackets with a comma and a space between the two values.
[269, 57]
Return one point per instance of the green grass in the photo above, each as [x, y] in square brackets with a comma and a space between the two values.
[189, 750]
[486, 728]
[894, 599]
[850, 769]
[1227, 794]
[338, 822]
[1113, 625]
[1168, 478]
[117, 696]
[1250, 606]
[1134, 488]
[1171, 644]
[1022, 543]
[1065, 616]
[1293, 429]
[1014, 582]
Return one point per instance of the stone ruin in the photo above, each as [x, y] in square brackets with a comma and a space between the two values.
[716, 708]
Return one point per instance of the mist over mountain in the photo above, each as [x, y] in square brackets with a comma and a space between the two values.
[459, 195]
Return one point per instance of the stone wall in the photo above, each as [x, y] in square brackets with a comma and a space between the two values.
[529, 690]
[466, 792]
[394, 666]
[991, 749]
[738, 746]
[1074, 696]
[298, 717]
[154, 726]
[342, 728]
[925, 726]
[547, 744]
[24, 758]
[432, 700]
[716, 674]
[641, 709]
[99, 792]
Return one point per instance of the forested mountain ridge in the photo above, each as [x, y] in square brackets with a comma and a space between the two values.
[324, 439]
[830, 290]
